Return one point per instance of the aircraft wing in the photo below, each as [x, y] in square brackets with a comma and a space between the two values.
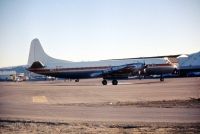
[119, 71]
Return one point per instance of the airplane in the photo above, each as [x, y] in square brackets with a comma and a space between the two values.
[41, 63]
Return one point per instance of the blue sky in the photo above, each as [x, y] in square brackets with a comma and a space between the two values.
[85, 30]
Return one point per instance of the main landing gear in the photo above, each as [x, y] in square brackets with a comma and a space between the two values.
[104, 82]
[114, 82]
[161, 78]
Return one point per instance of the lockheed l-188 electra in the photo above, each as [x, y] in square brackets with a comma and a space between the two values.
[41, 63]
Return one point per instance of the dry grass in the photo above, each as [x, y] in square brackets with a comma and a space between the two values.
[21, 127]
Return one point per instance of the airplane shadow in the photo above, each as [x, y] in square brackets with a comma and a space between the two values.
[69, 85]
[99, 84]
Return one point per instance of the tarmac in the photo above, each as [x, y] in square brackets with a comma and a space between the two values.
[176, 100]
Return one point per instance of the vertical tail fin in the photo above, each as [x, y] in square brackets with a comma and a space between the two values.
[37, 53]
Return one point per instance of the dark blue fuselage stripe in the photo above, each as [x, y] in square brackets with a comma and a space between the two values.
[71, 75]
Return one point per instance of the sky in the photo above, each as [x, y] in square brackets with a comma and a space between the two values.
[87, 30]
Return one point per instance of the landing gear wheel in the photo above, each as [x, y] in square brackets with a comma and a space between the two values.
[161, 79]
[114, 82]
[104, 82]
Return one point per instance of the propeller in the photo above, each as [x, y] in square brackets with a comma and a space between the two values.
[142, 71]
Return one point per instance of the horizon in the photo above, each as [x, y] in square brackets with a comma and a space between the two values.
[98, 30]
[158, 56]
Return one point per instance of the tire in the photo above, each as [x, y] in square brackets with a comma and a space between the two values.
[161, 79]
[114, 82]
[104, 82]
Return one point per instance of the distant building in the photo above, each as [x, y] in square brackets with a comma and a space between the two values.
[7, 75]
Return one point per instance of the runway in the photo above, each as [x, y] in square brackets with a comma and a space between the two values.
[88, 100]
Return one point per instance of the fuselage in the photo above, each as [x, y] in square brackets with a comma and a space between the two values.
[71, 73]
[93, 72]
[84, 72]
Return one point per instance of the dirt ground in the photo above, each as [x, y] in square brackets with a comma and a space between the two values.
[133, 106]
